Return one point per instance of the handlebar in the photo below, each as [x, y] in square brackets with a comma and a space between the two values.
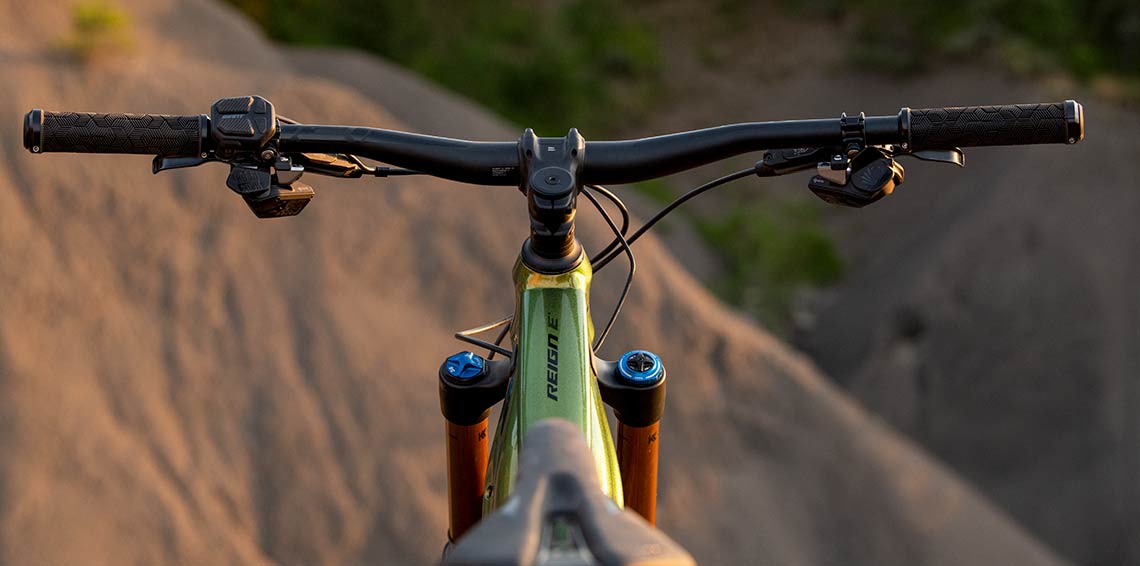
[605, 162]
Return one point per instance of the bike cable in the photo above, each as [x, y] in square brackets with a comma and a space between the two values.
[624, 220]
[605, 260]
[605, 256]
[468, 337]
[588, 192]
[502, 334]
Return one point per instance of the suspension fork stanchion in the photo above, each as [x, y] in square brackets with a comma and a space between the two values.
[469, 386]
[637, 457]
[634, 387]
[466, 471]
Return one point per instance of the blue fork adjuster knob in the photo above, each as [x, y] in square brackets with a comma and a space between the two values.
[465, 365]
[640, 367]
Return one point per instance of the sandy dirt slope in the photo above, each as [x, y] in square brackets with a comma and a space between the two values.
[1001, 332]
[181, 383]
[991, 313]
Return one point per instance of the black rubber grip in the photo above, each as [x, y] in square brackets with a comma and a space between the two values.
[1016, 124]
[148, 134]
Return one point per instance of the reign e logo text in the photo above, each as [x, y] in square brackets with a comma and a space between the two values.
[552, 357]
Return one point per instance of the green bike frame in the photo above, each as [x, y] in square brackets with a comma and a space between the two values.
[553, 376]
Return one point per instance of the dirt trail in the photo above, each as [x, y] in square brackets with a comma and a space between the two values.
[181, 383]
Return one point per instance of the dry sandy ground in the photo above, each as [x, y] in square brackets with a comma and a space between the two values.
[991, 313]
[181, 383]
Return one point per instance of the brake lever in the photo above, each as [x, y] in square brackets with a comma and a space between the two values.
[345, 166]
[161, 163]
[783, 161]
[329, 165]
[952, 156]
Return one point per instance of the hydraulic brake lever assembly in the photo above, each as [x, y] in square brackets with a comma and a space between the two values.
[858, 175]
[854, 174]
[244, 134]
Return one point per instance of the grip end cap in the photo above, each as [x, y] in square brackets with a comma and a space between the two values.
[33, 130]
[1074, 121]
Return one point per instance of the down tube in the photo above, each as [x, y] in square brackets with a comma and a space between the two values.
[553, 377]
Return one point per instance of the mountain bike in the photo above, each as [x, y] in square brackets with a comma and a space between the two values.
[553, 487]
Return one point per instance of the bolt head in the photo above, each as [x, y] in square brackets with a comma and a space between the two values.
[639, 362]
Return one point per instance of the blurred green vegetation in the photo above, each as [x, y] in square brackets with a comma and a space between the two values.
[774, 248]
[658, 190]
[547, 65]
[1088, 38]
[99, 29]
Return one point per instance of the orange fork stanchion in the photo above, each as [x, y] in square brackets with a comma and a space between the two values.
[469, 386]
[637, 457]
[466, 472]
[635, 387]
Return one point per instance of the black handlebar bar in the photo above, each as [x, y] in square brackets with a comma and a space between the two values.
[478, 163]
[618, 162]
[606, 162]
